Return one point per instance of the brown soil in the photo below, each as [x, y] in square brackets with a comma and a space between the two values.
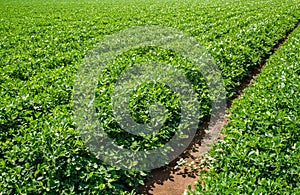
[174, 179]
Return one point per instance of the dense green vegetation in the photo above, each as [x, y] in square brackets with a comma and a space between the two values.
[261, 151]
[42, 45]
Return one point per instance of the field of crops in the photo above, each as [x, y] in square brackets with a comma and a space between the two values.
[42, 45]
[261, 152]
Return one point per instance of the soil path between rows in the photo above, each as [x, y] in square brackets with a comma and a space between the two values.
[174, 179]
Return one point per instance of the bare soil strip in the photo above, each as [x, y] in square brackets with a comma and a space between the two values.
[174, 179]
[257, 69]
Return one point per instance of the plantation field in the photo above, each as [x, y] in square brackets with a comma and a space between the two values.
[261, 150]
[43, 44]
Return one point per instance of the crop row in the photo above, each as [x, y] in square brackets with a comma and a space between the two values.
[261, 151]
[42, 45]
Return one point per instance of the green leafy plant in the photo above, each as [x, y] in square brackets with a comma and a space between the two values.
[260, 152]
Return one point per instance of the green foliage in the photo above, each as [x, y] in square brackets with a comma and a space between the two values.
[146, 95]
[261, 150]
[42, 43]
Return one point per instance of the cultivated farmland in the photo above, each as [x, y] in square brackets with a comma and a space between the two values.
[43, 44]
[261, 150]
